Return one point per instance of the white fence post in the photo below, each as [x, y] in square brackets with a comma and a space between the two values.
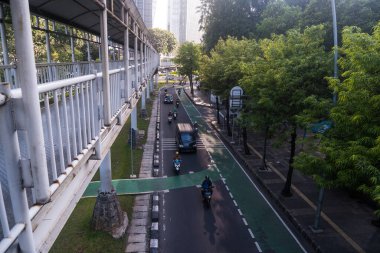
[26, 69]
[9, 139]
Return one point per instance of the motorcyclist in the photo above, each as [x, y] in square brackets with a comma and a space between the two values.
[207, 185]
[170, 113]
[195, 124]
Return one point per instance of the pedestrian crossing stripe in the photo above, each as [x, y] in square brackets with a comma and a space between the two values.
[170, 144]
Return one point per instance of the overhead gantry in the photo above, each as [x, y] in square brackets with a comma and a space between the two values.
[58, 120]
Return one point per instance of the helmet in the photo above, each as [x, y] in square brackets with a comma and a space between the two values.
[207, 178]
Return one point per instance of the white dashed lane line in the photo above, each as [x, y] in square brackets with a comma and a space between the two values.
[250, 232]
[258, 247]
[245, 222]
[241, 214]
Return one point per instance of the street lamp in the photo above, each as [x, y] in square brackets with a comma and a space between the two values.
[315, 227]
[335, 32]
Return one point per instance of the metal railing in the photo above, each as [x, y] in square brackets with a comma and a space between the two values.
[72, 120]
[48, 72]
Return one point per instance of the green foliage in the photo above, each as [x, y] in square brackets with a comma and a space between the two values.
[162, 40]
[351, 149]
[223, 18]
[222, 69]
[188, 58]
[277, 18]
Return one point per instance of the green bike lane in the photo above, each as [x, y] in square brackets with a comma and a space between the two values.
[138, 186]
[271, 232]
[268, 228]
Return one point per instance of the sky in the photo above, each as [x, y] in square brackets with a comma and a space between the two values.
[161, 17]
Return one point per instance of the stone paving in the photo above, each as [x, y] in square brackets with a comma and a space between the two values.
[138, 235]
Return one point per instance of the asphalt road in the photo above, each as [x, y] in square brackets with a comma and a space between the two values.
[187, 224]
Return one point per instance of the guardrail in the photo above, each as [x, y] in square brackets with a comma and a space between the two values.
[72, 120]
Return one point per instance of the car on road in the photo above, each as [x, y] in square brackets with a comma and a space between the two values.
[168, 99]
[186, 138]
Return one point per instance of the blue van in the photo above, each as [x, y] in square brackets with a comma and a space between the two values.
[186, 138]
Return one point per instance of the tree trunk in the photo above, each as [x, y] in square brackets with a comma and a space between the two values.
[264, 160]
[245, 144]
[229, 132]
[286, 191]
[217, 109]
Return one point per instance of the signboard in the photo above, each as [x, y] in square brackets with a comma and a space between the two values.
[321, 127]
[236, 102]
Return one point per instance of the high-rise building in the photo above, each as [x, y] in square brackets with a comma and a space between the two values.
[177, 16]
[183, 20]
[147, 10]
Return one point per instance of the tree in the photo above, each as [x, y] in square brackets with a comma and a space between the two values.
[292, 69]
[259, 83]
[222, 69]
[188, 57]
[162, 40]
[223, 18]
[351, 148]
[278, 17]
[366, 13]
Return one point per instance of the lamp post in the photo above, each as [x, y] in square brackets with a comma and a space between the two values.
[335, 32]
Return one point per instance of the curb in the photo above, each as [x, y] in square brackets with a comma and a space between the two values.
[154, 229]
[274, 196]
[156, 152]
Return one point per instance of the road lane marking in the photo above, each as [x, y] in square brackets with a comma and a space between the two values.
[245, 222]
[240, 212]
[266, 200]
[228, 189]
[250, 232]
[254, 185]
[231, 195]
[258, 247]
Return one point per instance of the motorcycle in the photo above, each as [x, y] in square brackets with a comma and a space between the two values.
[206, 194]
[195, 129]
[177, 165]
[170, 118]
[179, 92]
[175, 115]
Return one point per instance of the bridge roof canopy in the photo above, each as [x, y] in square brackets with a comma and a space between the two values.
[85, 15]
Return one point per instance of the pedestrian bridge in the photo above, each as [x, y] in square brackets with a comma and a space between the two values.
[59, 118]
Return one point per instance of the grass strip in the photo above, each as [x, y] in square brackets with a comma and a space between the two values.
[77, 235]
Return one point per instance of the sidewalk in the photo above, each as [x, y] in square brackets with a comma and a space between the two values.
[138, 229]
[346, 222]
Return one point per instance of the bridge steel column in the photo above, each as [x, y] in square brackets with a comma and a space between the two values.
[134, 118]
[105, 66]
[142, 60]
[106, 174]
[26, 67]
[136, 62]
[126, 57]
[9, 141]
